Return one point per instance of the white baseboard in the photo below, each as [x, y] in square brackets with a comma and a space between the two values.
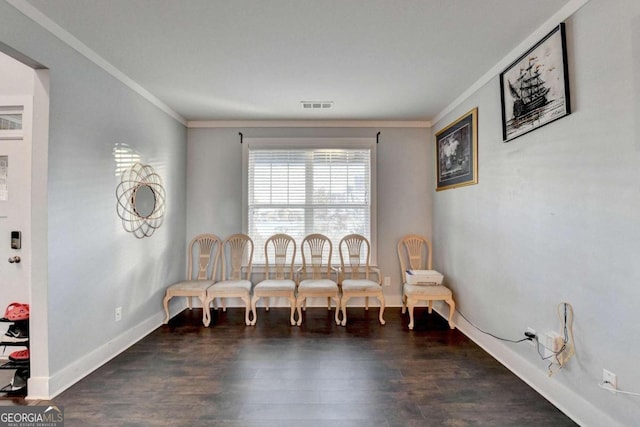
[561, 396]
[38, 388]
[46, 388]
[82, 367]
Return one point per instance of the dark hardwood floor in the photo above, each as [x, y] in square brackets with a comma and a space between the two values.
[319, 374]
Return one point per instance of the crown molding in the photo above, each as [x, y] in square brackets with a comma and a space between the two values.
[307, 124]
[566, 11]
[45, 22]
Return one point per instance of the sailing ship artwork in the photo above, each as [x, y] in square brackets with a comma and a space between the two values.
[535, 88]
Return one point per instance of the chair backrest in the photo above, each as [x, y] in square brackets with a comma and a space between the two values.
[316, 257]
[281, 250]
[237, 256]
[414, 252]
[205, 250]
[352, 247]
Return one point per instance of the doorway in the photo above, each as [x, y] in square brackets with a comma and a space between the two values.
[24, 123]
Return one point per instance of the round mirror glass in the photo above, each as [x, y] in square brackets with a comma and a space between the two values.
[144, 201]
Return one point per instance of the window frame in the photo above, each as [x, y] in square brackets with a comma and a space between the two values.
[315, 143]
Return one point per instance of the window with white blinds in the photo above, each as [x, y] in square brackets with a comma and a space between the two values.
[301, 190]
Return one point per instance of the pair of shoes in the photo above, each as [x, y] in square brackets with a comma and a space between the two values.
[16, 311]
[19, 356]
[19, 380]
[18, 332]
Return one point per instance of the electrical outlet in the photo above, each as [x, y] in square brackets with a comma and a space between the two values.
[387, 281]
[533, 341]
[609, 380]
[118, 314]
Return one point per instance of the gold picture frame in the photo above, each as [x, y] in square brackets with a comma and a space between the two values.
[457, 153]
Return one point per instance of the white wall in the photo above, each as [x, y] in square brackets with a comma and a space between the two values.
[17, 78]
[405, 180]
[94, 265]
[555, 218]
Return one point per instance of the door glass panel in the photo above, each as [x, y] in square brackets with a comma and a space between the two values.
[10, 121]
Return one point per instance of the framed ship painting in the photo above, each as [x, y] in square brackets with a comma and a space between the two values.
[457, 153]
[535, 88]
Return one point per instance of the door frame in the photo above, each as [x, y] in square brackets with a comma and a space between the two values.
[38, 385]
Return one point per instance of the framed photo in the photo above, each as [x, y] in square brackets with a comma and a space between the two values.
[535, 89]
[457, 153]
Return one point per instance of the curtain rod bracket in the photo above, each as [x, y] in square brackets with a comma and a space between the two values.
[377, 137]
[241, 136]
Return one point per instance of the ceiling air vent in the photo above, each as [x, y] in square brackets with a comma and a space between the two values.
[316, 105]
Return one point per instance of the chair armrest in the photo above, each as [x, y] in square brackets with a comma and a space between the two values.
[337, 272]
[376, 271]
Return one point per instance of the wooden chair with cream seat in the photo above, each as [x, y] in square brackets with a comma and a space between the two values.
[316, 276]
[235, 282]
[279, 274]
[414, 252]
[207, 247]
[356, 278]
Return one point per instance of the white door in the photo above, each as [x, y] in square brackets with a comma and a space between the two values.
[15, 199]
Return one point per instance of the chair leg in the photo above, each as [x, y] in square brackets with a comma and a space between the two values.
[292, 303]
[207, 302]
[254, 300]
[366, 303]
[329, 304]
[452, 308]
[381, 299]
[299, 302]
[189, 303]
[337, 300]
[247, 309]
[404, 304]
[165, 303]
[205, 309]
[410, 305]
[266, 303]
[430, 306]
[343, 306]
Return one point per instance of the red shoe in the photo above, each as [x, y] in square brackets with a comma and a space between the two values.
[19, 356]
[16, 311]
